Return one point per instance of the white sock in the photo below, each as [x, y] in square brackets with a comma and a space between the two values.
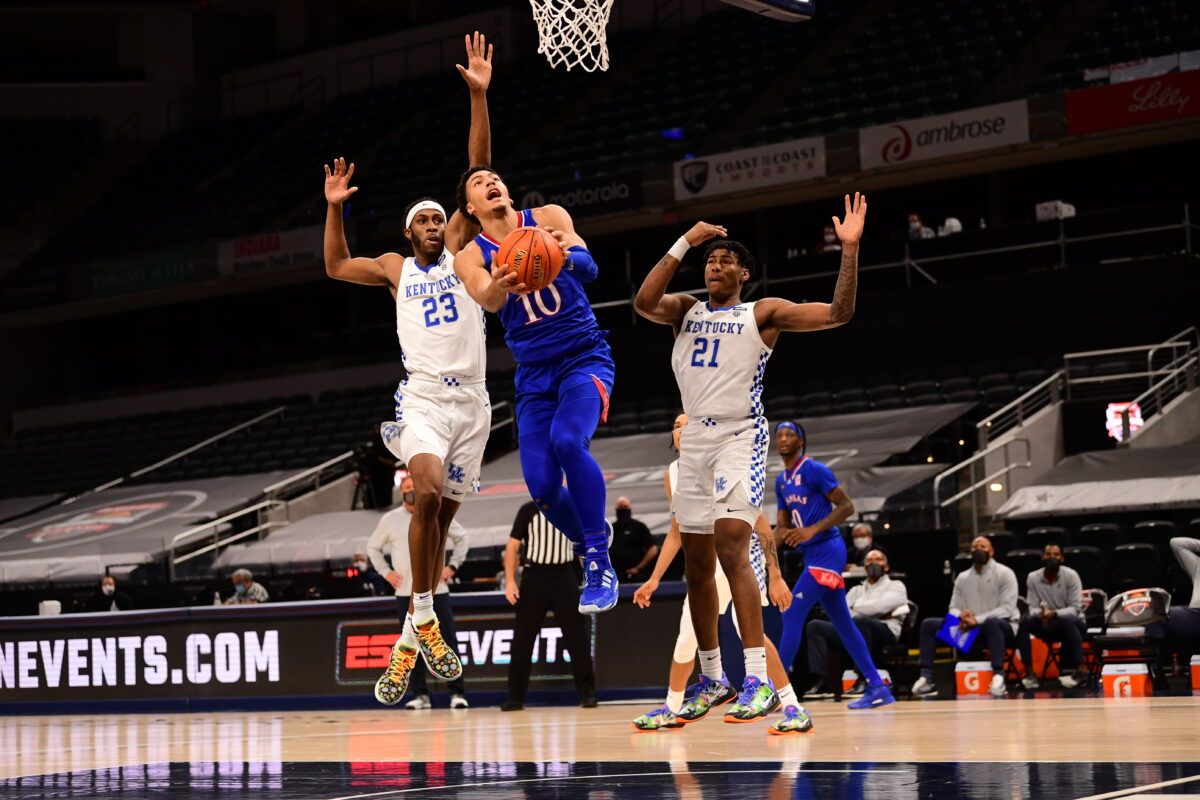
[409, 637]
[710, 664]
[674, 700]
[756, 662]
[787, 697]
[423, 608]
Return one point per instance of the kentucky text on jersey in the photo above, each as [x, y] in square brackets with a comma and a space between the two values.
[710, 327]
[436, 287]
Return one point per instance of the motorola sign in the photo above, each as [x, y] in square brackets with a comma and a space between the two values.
[589, 197]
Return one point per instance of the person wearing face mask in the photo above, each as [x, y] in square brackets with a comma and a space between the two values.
[107, 598]
[878, 606]
[1055, 595]
[829, 242]
[390, 541]
[372, 582]
[917, 229]
[862, 538]
[984, 596]
[245, 591]
[633, 548]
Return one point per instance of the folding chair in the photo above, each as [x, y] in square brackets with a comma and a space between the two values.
[896, 655]
[1126, 618]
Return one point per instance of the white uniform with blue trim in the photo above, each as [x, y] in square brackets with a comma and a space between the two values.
[442, 407]
[719, 360]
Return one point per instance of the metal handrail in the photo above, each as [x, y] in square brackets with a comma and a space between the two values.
[274, 488]
[190, 533]
[1192, 331]
[989, 426]
[265, 526]
[1187, 370]
[1113, 351]
[1010, 465]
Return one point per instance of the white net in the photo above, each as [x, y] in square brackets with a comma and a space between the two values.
[572, 32]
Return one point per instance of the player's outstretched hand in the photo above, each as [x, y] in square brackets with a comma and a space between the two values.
[641, 598]
[337, 182]
[561, 238]
[703, 231]
[850, 230]
[505, 277]
[780, 594]
[478, 71]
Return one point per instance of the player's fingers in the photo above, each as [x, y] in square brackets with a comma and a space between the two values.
[461, 69]
[351, 190]
[327, 175]
[848, 207]
[489, 54]
[350, 171]
[837, 225]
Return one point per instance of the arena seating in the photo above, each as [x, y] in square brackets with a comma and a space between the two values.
[37, 156]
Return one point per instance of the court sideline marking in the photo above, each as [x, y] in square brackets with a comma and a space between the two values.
[1135, 789]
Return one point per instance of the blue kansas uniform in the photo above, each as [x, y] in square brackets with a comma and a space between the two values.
[803, 492]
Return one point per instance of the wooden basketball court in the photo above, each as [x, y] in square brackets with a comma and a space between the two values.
[1061, 748]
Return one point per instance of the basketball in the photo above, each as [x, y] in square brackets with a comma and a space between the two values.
[534, 254]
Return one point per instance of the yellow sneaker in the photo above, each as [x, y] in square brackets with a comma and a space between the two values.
[442, 659]
[393, 683]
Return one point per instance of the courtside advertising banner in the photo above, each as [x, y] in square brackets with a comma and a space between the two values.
[966, 131]
[1126, 105]
[752, 168]
[271, 252]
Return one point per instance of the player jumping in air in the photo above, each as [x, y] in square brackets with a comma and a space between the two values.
[720, 355]
[443, 415]
[564, 370]
[811, 504]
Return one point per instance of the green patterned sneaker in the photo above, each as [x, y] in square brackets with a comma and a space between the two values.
[393, 683]
[754, 703]
[795, 720]
[702, 697]
[440, 657]
[661, 718]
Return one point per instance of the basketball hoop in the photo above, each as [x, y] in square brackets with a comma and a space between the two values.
[572, 32]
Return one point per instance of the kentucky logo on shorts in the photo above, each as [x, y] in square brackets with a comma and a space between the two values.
[456, 473]
[720, 485]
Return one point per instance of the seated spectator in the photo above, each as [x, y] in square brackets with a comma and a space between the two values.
[245, 591]
[917, 229]
[107, 598]
[878, 606]
[1183, 622]
[372, 582]
[984, 596]
[1055, 595]
[633, 548]
[862, 541]
[829, 243]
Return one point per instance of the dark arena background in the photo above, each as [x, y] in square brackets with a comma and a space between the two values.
[186, 394]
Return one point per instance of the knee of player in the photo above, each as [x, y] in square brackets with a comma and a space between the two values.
[734, 555]
[566, 443]
[428, 498]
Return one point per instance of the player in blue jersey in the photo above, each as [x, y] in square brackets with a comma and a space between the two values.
[811, 506]
[564, 370]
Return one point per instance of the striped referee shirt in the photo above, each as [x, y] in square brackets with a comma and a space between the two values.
[545, 545]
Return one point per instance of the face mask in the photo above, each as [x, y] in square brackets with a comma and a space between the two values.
[624, 514]
[108, 589]
[874, 571]
[410, 498]
[980, 556]
[241, 588]
[361, 566]
[861, 542]
[1052, 564]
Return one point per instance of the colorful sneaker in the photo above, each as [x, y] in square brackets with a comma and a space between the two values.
[440, 657]
[661, 718]
[702, 697]
[795, 720]
[875, 697]
[599, 587]
[754, 703]
[393, 683]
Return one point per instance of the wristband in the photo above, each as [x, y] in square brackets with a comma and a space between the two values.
[679, 249]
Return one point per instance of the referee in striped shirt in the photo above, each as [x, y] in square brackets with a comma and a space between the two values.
[549, 581]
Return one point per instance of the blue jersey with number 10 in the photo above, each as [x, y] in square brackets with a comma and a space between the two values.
[548, 325]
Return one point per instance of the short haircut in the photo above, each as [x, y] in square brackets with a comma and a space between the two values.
[866, 525]
[243, 573]
[413, 205]
[739, 251]
[460, 194]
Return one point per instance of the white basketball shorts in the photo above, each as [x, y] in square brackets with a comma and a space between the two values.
[722, 472]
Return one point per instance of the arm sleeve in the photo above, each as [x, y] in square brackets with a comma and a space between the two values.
[520, 528]
[1074, 607]
[457, 535]
[376, 544]
[1006, 607]
[581, 265]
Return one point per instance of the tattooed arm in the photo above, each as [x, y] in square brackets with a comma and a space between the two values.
[777, 590]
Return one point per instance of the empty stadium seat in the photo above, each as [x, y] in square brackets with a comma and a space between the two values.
[1023, 561]
[1136, 566]
[1002, 542]
[1088, 562]
[1040, 537]
[1104, 535]
[1156, 532]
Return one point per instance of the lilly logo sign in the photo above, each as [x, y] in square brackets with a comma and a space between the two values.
[944, 135]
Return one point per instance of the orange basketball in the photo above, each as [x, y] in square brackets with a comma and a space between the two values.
[535, 256]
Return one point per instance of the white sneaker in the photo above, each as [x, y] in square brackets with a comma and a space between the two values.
[458, 701]
[923, 688]
[1030, 682]
[1070, 680]
[419, 702]
[998, 688]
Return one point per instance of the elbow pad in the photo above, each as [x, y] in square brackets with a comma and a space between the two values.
[581, 264]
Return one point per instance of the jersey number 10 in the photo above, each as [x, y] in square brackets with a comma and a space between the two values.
[702, 348]
[541, 304]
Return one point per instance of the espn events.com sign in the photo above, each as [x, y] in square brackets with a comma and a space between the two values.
[1164, 98]
[964, 131]
[752, 168]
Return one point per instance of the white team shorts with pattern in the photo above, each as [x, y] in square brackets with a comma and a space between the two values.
[449, 418]
[722, 472]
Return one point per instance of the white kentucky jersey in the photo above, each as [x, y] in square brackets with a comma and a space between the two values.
[719, 360]
[441, 329]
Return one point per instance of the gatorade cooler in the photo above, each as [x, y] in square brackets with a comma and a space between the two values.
[1196, 672]
[1126, 680]
[850, 676]
[972, 677]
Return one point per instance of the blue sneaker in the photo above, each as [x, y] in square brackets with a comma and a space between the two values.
[875, 697]
[703, 696]
[599, 587]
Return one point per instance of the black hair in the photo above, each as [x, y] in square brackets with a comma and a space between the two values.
[413, 204]
[460, 194]
[739, 250]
